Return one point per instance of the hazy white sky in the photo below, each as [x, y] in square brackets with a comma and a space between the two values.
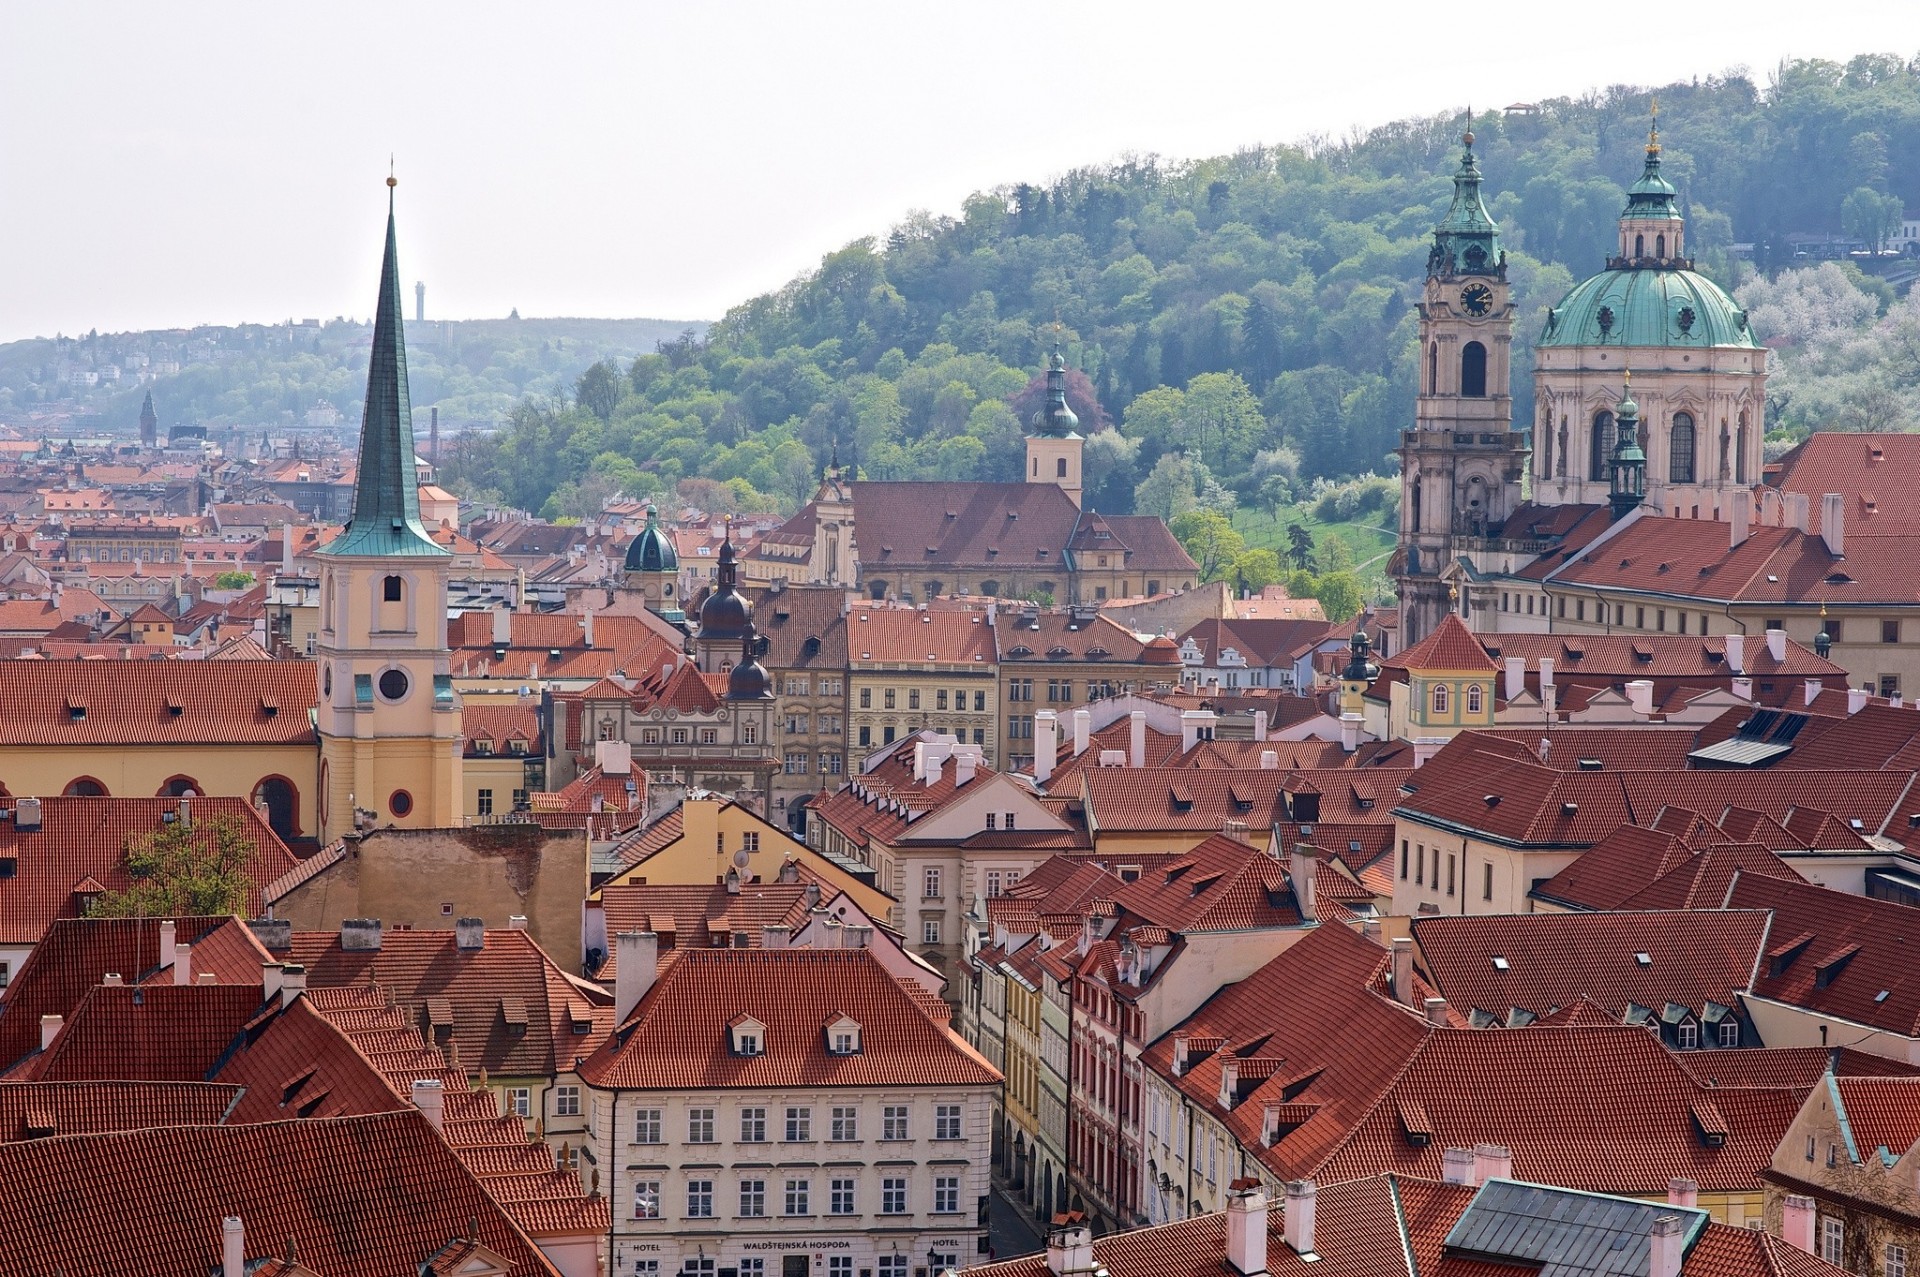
[181, 163]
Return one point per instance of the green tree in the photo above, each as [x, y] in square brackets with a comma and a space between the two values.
[1209, 537]
[1168, 489]
[1300, 548]
[197, 868]
[1255, 570]
[598, 389]
[232, 580]
[1340, 594]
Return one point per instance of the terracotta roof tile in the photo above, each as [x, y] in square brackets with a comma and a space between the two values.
[129, 703]
[35, 1110]
[1846, 956]
[1451, 646]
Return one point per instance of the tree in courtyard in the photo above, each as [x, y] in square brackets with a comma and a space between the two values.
[185, 868]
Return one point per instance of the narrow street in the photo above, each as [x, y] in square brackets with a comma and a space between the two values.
[1008, 1229]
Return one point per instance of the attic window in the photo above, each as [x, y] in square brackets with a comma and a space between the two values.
[1491, 800]
[1829, 971]
[1591, 764]
[174, 707]
[1643, 959]
[76, 710]
[1501, 964]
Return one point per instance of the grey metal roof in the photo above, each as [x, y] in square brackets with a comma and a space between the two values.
[1739, 751]
[1567, 1233]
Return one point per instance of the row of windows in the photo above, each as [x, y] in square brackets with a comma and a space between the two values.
[842, 1125]
[797, 1197]
[1059, 690]
[890, 699]
[1442, 698]
[863, 735]
[1416, 861]
[800, 764]
[749, 735]
[800, 724]
[802, 685]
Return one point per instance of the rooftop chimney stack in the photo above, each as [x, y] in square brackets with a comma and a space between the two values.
[233, 1247]
[470, 934]
[1640, 697]
[1350, 725]
[1425, 747]
[1269, 760]
[1298, 1220]
[1668, 1246]
[1046, 745]
[638, 957]
[1137, 738]
[1305, 863]
[1740, 520]
[1857, 698]
[1082, 730]
[1403, 970]
[1796, 1222]
[1812, 690]
[1516, 681]
[1457, 1167]
[183, 964]
[1259, 724]
[1777, 645]
[1743, 688]
[1683, 1192]
[1492, 1161]
[1798, 506]
[360, 935]
[1196, 725]
[1436, 1011]
[502, 627]
[1247, 1228]
[430, 1097]
[1737, 653]
[293, 982]
[169, 931]
[966, 760]
[1069, 1245]
[774, 937]
[1833, 524]
[1771, 515]
[50, 1026]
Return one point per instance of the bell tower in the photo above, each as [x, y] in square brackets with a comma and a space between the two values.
[388, 718]
[1462, 464]
[1054, 448]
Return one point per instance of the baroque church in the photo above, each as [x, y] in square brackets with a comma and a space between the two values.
[1648, 389]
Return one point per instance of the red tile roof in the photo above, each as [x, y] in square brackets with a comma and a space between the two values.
[1451, 646]
[1127, 799]
[83, 839]
[157, 702]
[35, 1110]
[153, 1033]
[1873, 472]
[1837, 954]
[1221, 885]
[882, 635]
[1882, 1114]
[677, 1036]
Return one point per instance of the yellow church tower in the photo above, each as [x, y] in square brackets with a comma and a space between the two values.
[389, 720]
[1054, 447]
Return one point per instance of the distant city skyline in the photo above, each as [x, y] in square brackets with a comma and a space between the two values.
[223, 163]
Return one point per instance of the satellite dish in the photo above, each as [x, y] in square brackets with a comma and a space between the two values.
[741, 859]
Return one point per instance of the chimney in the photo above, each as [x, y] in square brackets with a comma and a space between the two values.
[1269, 760]
[1069, 1245]
[1857, 699]
[183, 964]
[588, 625]
[1195, 725]
[502, 627]
[1046, 745]
[1229, 1081]
[1180, 1056]
[1737, 653]
[1457, 1166]
[113, 980]
[1246, 1228]
[775, 937]
[1640, 696]
[920, 763]
[286, 548]
[186, 812]
[856, 938]
[1668, 1245]
[430, 1097]
[1436, 1009]
[1813, 686]
[1740, 519]
[1798, 504]
[233, 1247]
[50, 1029]
[1833, 524]
[1743, 688]
[270, 980]
[1683, 1192]
[1403, 970]
[1516, 677]
[1796, 1222]
[293, 982]
[1298, 1220]
[1770, 512]
[516, 922]
[965, 760]
[274, 934]
[638, 957]
[613, 757]
[1305, 862]
[1777, 645]
[470, 934]
[26, 815]
[1137, 738]
[1492, 1161]
[1370, 930]
[1350, 725]
[1546, 681]
[1082, 729]
[1425, 747]
[168, 944]
[360, 935]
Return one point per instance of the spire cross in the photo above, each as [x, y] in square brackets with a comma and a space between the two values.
[1653, 130]
[392, 181]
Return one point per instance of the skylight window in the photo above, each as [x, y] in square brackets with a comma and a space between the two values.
[1501, 964]
[1643, 959]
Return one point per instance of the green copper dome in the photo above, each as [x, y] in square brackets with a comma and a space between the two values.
[1641, 306]
[1466, 242]
[652, 550]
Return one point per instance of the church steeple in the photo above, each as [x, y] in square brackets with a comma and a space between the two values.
[149, 423]
[1466, 242]
[1652, 232]
[386, 491]
[1628, 468]
[1054, 447]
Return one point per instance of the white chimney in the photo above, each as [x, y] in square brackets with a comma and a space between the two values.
[1269, 760]
[1833, 524]
[1492, 1161]
[430, 1097]
[1082, 730]
[587, 624]
[1195, 725]
[1137, 741]
[1350, 725]
[286, 548]
[774, 937]
[1247, 1228]
[1403, 970]
[1683, 1192]
[469, 934]
[50, 1026]
[613, 757]
[1546, 680]
[1798, 505]
[168, 944]
[1046, 745]
[1812, 689]
[1796, 1222]
[1457, 1167]
[920, 762]
[183, 964]
[1740, 519]
[1516, 677]
[502, 627]
[293, 982]
[1304, 865]
[965, 760]
[1777, 645]
[1857, 699]
[1737, 653]
[1667, 1242]
[1259, 724]
[1298, 1219]
[1436, 1009]
[1640, 697]
[637, 957]
[233, 1247]
[1070, 1246]
[1425, 747]
[1743, 688]
[516, 922]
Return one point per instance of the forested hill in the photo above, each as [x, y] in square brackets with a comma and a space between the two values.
[1253, 310]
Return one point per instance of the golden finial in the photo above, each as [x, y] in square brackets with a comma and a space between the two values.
[1453, 593]
[1628, 374]
[1467, 136]
[1653, 131]
[392, 181]
[1823, 611]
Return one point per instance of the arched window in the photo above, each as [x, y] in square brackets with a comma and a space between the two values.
[1439, 698]
[1602, 445]
[85, 787]
[1639, 245]
[1433, 368]
[179, 787]
[281, 801]
[1473, 370]
[1473, 699]
[1659, 245]
[390, 589]
[1740, 450]
[1680, 449]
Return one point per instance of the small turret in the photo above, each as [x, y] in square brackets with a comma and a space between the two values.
[1628, 467]
[1054, 419]
[1054, 447]
[1466, 242]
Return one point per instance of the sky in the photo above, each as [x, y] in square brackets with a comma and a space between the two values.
[173, 164]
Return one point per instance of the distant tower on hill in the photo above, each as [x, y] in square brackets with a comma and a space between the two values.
[149, 423]
[420, 301]
[1054, 447]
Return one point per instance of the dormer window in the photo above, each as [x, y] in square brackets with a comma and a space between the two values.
[843, 1036]
[749, 1036]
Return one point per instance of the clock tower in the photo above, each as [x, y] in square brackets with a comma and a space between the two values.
[389, 721]
[1462, 464]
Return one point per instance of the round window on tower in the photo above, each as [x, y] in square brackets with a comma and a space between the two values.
[400, 802]
[393, 684]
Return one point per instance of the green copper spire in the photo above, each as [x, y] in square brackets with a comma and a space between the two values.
[1628, 469]
[386, 491]
[1055, 419]
[1652, 195]
[1466, 242]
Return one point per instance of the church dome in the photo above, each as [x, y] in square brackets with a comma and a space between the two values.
[725, 614]
[1637, 306]
[749, 681]
[1054, 419]
[652, 550]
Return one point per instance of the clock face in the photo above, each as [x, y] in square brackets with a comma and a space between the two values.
[1477, 299]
